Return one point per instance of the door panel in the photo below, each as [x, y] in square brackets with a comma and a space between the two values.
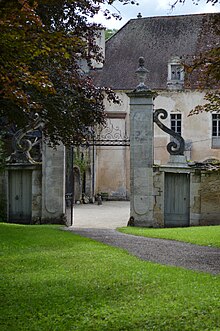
[177, 197]
[20, 196]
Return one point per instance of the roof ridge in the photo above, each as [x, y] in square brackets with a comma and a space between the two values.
[172, 16]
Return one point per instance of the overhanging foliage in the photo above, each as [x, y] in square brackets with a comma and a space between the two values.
[43, 44]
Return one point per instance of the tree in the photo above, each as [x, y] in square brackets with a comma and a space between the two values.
[206, 66]
[43, 44]
[195, 2]
[109, 33]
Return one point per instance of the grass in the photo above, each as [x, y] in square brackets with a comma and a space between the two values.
[56, 281]
[199, 235]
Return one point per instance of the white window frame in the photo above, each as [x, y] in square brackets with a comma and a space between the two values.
[176, 122]
[216, 131]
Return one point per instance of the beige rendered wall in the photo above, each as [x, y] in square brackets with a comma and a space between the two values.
[112, 163]
[196, 128]
[111, 172]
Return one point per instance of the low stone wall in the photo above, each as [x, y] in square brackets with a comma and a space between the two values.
[210, 198]
[43, 199]
[204, 195]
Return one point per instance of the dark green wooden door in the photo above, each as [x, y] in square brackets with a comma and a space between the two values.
[177, 198]
[20, 196]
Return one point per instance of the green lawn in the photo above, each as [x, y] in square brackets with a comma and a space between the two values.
[200, 235]
[52, 280]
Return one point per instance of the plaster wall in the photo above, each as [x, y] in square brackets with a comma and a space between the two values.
[196, 129]
[111, 163]
[111, 177]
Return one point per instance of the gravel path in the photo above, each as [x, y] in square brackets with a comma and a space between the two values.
[169, 252]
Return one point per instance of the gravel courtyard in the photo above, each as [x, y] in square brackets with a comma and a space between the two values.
[99, 223]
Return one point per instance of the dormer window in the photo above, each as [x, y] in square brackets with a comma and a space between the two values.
[175, 79]
[175, 72]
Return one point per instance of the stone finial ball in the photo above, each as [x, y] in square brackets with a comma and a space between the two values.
[141, 61]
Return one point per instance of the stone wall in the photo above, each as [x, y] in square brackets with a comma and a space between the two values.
[204, 195]
[158, 193]
[196, 129]
[53, 184]
[112, 164]
[36, 195]
[195, 197]
[111, 172]
[47, 188]
[210, 198]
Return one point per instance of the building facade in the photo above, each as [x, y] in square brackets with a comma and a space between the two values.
[165, 43]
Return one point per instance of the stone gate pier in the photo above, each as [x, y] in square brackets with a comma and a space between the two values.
[141, 151]
[141, 157]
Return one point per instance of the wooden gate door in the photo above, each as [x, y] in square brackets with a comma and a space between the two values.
[20, 196]
[177, 197]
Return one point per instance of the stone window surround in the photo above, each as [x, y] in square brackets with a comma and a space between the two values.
[175, 78]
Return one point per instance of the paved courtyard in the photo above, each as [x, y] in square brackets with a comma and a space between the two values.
[109, 215]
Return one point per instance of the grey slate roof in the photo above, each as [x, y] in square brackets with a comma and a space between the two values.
[157, 39]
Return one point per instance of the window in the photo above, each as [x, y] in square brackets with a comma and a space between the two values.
[175, 72]
[216, 125]
[175, 78]
[215, 130]
[176, 122]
